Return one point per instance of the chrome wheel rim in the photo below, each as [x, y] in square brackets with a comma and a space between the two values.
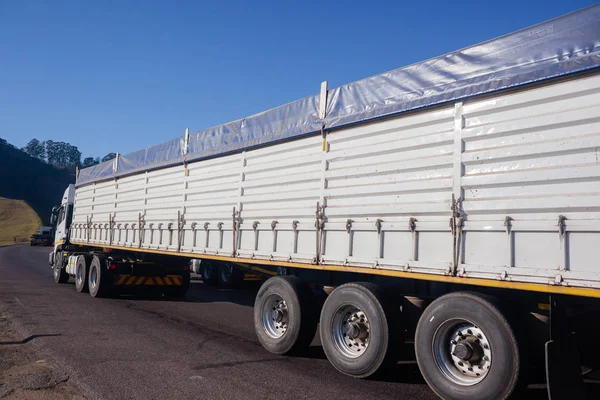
[275, 316]
[93, 277]
[462, 352]
[351, 331]
[79, 275]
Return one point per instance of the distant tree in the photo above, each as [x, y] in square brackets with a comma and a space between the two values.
[109, 156]
[62, 154]
[52, 152]
[89, 161]
[35, 149]
[72, 156]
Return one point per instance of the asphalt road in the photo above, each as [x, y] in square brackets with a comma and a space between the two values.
[200, 348]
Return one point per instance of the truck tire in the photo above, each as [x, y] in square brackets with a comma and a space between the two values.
[81, 273]
[60, 275]
[209, 272]
[179, 291]
[230, 276]
[98, 283]
[285, 318]
[454, 340]
[357, 329]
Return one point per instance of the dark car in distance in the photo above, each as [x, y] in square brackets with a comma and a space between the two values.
[42, 240]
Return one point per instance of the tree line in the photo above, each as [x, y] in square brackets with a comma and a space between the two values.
[61, 154]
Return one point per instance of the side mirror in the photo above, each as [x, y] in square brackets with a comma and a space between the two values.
[53, 219]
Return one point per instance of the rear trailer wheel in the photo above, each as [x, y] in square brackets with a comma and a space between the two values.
[466, 348]
[81, 274]
[356, 329]
[98, 282]
[60, 275]
[285, 318]
[209, 272]
[229, 275]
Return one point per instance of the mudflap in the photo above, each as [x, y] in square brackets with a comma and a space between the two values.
[563, 369]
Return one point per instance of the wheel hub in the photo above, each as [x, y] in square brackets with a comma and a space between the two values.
[275, 317]
[468, 350]
[351, 331]
[470, 353]
[462, 351]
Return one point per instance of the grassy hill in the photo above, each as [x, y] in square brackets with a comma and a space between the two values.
[26, 178]
[18, 220]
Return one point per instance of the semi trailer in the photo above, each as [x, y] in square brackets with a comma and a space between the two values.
[453, 204]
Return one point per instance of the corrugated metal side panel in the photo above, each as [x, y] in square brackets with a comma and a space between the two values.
[129, 204]
[94, 206]
[163, 203]
[280, 190]
[83, 207]
[211, 193]
[525, 166]
[389, 193]
[532, 185]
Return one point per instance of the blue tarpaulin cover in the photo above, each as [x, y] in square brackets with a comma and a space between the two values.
[559, 47]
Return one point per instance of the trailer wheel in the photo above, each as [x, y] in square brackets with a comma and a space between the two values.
[81, 274]
[466, 348]
[209, 272]
[230, 275]
[285, 318]
[97, 278]
[60, 275]
[357, 329]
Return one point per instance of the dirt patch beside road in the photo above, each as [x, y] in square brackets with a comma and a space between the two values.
[25, 376]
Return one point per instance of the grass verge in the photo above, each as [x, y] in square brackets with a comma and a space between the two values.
[17, 220]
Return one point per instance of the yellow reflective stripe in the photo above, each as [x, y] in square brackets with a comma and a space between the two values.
[122, 279]
[140, 280]
[131, 280]
[168, 281]
[159, 280]
[150, 281]
[531, 287]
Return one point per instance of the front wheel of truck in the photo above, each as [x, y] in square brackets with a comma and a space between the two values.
[60, 275]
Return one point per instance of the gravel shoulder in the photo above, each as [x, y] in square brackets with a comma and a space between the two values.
[25, 374]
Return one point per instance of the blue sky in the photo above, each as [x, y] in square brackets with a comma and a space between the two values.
[122, 75]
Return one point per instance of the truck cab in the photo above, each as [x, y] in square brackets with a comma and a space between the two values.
[61, 217]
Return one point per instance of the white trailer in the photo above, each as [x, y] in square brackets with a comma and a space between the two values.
[468, 185]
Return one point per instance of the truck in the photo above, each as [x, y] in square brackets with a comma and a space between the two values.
[452, 205]
[46, 231]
